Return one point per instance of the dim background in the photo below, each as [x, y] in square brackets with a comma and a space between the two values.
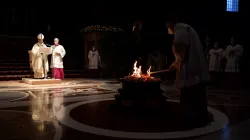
[208, 17]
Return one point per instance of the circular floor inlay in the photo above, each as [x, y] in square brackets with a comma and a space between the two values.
[6, 96]
[90, 126]
[218, 99]
[101, 115]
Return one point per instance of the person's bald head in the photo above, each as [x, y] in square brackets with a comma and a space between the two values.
[233, 41]
[56, 41]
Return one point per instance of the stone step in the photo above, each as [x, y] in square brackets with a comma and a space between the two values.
[23, 72]
[19, 71]
[13, 61]
[19, 77]
[14, 64]
[14, 67]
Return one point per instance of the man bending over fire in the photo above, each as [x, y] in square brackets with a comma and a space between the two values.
[192, 72]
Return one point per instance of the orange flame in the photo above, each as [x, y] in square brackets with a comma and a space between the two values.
[149, 71]
[137, 73]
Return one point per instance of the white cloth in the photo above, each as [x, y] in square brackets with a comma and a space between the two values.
[57, 61]
[195, 67]
[215, 58]
[93, 59]
[37, 61]
[233, 55]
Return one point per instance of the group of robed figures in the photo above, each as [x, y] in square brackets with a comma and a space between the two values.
[39, 61]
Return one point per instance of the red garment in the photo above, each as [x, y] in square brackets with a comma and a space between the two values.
[58, 73]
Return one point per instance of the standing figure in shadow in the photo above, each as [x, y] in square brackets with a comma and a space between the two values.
[192, 73]
[207, 47]
[233, 55]
[94, 61]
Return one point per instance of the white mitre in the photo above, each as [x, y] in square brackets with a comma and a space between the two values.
[40, 36]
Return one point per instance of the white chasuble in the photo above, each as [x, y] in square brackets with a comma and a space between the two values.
[39, 61]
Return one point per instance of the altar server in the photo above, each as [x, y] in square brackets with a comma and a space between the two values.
[94, 58]
[193, 72]
[215, 57]
[58, 52]
[233, 54]
[40, 63]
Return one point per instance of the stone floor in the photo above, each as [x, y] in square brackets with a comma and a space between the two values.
[82, 108]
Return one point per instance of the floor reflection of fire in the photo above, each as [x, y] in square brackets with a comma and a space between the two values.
[140, 90]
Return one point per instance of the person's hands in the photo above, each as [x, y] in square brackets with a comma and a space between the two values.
[169, 69]
[172, 67]
[31, 64]
[231, 53]
[216, 53]
[58, 54]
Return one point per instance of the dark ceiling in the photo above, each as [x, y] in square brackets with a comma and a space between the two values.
[120, 13]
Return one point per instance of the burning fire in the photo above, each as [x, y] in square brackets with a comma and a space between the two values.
[149, 71]
[138, 73]
[138, 76]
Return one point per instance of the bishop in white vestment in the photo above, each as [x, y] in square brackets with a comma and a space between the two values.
[40, 63]
[58, 52]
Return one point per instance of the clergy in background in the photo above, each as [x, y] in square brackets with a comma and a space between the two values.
[58, 52]
[233, 54]
[40, 63]
[94, 58]
[94, 61]
[215, 57]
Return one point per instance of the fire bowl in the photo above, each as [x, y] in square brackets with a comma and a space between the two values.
[140, 93]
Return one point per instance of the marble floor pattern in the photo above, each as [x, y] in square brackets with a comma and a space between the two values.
[80, 109]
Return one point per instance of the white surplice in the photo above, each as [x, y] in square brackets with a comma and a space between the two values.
[233, 55]
[93, 59]
[37, 61]
[215, 58]
[195, 67]
[57, 61]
